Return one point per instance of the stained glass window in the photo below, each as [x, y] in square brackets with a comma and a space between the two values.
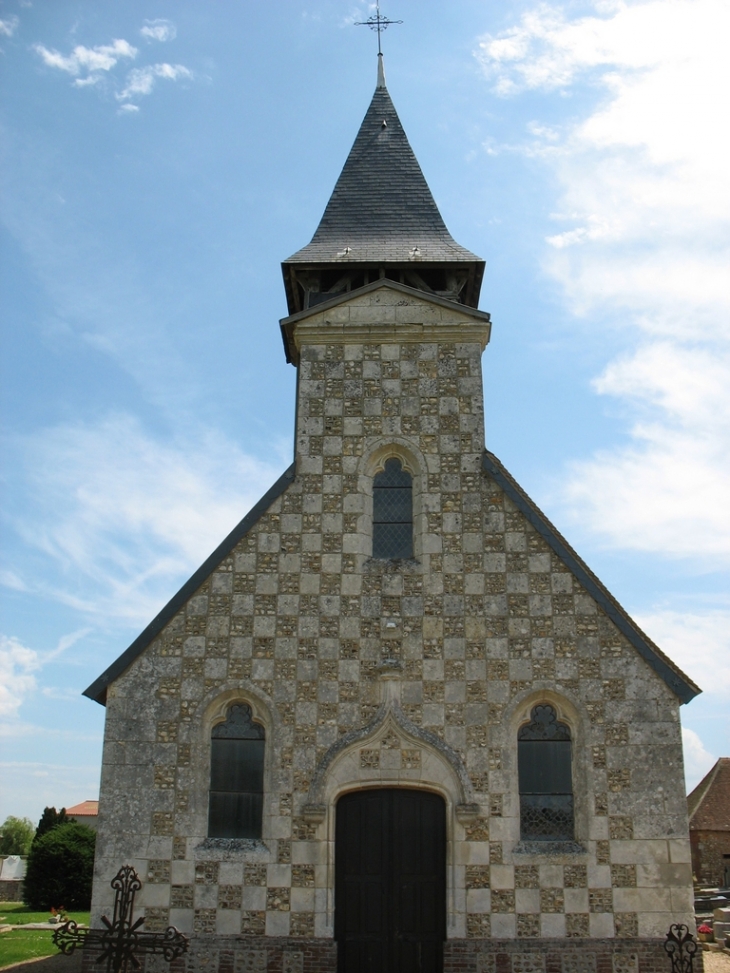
[393, 512]
[236, 776]
[545, 775]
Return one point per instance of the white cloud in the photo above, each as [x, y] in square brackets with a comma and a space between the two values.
[644, 242]
[697, 760]
[158, 30]
[699, 642]
[125, 517]
[101, 58]
[666, 492]
[17, 665]
[141, 81]
[8, 26]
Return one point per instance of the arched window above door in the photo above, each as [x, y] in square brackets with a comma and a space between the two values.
[393, 511]
[544, 761]
[236, 797]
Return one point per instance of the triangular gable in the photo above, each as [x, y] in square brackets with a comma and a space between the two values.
[680, 684]
[97, 690]
[385, 310]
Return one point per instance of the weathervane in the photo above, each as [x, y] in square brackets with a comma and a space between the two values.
[377, 23]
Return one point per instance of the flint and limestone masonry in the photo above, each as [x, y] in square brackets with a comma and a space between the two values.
[482, 662]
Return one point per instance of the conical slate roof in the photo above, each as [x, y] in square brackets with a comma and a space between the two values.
[381, 210]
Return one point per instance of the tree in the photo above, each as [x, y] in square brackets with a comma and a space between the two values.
[16, 835]
[60, 868]
[50, 819]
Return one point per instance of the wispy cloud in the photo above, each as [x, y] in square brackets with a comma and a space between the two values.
[91, 59]
[18, 664]
[644, 243]
[158, 30]
[8, 26]
[90, 65]
[141, 81]
[124, 516]
[19, 667]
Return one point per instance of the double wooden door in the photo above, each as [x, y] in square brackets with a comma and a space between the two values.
[390, 882]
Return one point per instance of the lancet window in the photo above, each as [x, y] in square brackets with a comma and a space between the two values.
[545, 777]
[393, 511]
[235, 808]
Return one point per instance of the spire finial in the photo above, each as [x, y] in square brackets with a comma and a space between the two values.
[380, 24]
[381, 72]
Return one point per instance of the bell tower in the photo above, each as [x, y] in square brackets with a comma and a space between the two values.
[381, 222]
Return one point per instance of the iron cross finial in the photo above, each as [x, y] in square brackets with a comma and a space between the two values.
[378, 23]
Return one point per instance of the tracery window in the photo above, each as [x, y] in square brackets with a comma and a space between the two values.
[235, 808]
[393, 511]
[545, 777]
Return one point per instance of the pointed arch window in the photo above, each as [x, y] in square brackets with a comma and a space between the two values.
[393, 511]
[544, 761]
[236, 803]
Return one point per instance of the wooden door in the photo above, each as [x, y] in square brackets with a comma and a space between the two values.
[390, 882]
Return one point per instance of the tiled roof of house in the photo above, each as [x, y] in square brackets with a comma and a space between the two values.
[709, 802]
[381, 209]
[85, 809]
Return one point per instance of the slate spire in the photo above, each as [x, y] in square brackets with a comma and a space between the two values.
[381, 221]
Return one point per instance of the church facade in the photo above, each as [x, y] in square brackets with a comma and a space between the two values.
[394, 722]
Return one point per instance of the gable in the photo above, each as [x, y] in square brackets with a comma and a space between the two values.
[383, 312]
[682, 687]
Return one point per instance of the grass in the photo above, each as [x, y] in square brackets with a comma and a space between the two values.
[23, 944]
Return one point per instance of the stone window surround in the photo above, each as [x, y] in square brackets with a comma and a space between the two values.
[518, 715]
[216, 712]
[375, 454]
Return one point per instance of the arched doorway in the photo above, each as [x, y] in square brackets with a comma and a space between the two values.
[390, 881]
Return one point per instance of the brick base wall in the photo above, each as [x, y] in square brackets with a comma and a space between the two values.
[244, 954]
[254, 954]
[555, 956]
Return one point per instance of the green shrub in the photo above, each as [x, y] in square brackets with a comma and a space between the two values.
[16, 835]
[60, 868]
[49, 819]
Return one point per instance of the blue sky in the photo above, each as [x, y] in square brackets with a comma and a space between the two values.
[162, 158]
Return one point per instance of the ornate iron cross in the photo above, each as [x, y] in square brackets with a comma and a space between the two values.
[122, 941]
[681, 947]
[377, 23]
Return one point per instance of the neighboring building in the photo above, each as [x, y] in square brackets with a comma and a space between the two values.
[85, 813]
[709, 826]
[394, 716]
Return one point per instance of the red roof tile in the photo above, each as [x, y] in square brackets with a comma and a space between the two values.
[87, 808]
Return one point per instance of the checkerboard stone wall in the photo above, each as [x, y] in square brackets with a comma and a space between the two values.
[298, 620]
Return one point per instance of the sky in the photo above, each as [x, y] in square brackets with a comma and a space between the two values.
[160, 158]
